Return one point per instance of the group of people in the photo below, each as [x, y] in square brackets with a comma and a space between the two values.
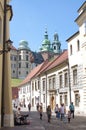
[40, 110]
[61, 112]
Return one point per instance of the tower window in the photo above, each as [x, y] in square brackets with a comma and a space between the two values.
[54, 47]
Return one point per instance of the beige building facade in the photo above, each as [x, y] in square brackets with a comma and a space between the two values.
[6, 114]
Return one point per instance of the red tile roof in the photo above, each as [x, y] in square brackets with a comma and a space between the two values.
[32, 74]
[45, 66]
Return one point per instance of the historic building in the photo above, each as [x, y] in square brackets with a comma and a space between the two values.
[23, 59]
[63, 79]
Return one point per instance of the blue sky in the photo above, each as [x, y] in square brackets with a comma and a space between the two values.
[31, 17]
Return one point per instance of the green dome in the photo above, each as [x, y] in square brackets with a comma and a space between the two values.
[23, 45]
[45, 41]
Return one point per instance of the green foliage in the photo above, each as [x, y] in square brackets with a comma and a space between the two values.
[15, 82]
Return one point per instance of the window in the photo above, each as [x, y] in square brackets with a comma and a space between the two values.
[35, 86]
[53, 83]
[19, 72]
[50, 86]
[26, 57]
[26, 65]
[75, 76]
[43, 98]
[77, 99]
[60, 81]
[65, 80]
[60, 99]
[26, 72]
[38, 85]
[54, 47]
[19, 57]
[13, 71]
[43, 85]
[19, 65]
[65, 100]
[71, 50]
[78, 45]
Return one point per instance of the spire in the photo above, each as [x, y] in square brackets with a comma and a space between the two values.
[46, 34]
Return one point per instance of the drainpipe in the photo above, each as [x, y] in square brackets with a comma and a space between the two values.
[69, 82]
[46, 90]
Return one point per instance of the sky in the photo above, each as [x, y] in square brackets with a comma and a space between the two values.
[32, 17]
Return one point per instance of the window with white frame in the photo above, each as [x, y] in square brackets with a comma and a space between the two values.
[50, 84]
[60, 81]
[43, 85]
[77, 99]
[60, 99]
[71, 51]
[74, 76]
[53, 82]
[78, 45]
[35, 86]
[66, 79]
[65, 99]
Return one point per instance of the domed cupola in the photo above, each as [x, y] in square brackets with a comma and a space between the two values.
[46, 45]
[56, 45]
[23, 45]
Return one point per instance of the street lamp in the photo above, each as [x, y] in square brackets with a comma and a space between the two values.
[8, 44]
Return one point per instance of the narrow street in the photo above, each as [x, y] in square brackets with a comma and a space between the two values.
[78, 123]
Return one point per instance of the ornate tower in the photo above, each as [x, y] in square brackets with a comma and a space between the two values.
[56, 45]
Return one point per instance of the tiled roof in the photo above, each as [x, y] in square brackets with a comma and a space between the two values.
[45, 66]
[32, 74]
[60, 59]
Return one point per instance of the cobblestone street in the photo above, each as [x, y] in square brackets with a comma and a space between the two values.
[78, 123]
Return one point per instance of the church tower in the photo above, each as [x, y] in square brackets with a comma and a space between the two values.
[56, 45]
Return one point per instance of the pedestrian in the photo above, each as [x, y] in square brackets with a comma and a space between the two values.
[62, 111]
[37, 106]
[58, 114]
[56, 109]
[71, 107]
[40, 111]
[69, 116]
[29, 107]
[49, 113]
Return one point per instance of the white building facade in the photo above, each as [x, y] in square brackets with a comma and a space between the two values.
[63, 80]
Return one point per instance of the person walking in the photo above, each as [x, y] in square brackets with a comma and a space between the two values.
[29, 107]
[71, 107]
[69, 116]
[40, 111]
[62, 111]
[56, 109]
[49, 113]
[37, 106]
